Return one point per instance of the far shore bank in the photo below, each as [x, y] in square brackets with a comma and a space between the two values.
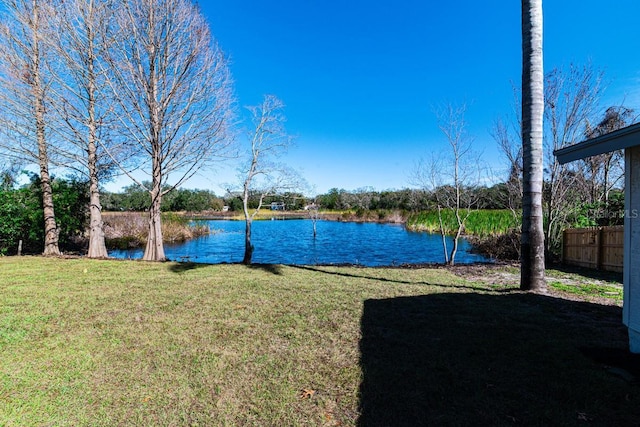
[393, 217]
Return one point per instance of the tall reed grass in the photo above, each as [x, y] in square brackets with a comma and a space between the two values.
[480, 223]
[130, 229]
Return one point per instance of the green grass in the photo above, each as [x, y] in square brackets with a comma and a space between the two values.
[480, 222]
[589, 290]
[599, 285]
[105, 343]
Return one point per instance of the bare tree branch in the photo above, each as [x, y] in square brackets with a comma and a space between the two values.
[173, 87]
[262, 174]
[24, 97]
[452, 175]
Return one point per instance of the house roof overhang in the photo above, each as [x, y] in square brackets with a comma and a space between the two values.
[622, 138]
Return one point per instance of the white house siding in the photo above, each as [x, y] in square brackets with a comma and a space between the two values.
[631, 310]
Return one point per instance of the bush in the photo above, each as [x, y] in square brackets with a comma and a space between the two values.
[21, 215]
[504, 247]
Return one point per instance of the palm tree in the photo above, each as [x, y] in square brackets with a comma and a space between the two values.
[532, 244]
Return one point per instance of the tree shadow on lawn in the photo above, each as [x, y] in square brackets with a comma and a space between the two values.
[343, 273]
[181, 267]
[269, 268]
[478, 359]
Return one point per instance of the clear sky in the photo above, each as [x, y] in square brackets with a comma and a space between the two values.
[360, 78]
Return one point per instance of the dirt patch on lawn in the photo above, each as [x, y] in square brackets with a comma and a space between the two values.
[572, 283]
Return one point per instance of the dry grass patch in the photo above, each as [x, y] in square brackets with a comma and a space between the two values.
[130, 229]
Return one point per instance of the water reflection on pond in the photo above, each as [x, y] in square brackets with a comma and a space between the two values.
[292, 242]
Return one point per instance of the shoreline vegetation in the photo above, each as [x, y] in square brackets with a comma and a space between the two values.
[127, 230]
[104, 343]
[491, 232]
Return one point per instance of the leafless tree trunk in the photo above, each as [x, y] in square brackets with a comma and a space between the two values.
[262, 175]
[443, 235]
[532, 247]
[24, 96]
[173, 88]
[81, 100]
[453, 178]
[314, 215]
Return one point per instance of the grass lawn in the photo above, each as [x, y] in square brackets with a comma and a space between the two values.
[108, 343]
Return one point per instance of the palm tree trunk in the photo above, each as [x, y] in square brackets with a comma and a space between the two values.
[532, 244]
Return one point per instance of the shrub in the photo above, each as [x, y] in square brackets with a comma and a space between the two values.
[21, 215]
[504, 247]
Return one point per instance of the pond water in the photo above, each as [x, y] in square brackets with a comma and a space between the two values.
[292, 242]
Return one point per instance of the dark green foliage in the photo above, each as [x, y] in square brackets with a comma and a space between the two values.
[600, 214]
[367, 199]
[133, 198]
[21, 215]
[71, 203]
[330, 200]
[136, 199]
[180, 200]
[234, 203]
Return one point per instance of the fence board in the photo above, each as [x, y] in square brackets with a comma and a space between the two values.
[599, 248]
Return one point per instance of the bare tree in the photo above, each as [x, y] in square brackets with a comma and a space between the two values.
[532, 247]
[453, 178]
[24, 97]
[571, 100]
[606, 170]
[81, 99]
[314, 215]
[510, 145]
[174, 92]
[8, 174]
[262, 174]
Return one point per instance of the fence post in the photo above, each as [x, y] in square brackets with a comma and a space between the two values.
[599, 249]
[20, 248]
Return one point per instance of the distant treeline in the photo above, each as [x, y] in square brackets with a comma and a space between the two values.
[133, 198]
[409, 200]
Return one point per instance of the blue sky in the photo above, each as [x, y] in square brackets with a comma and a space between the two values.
[360, 78]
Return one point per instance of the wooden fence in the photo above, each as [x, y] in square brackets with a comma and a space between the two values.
[601, 248]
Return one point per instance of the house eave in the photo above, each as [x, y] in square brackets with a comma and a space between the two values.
[622, 138]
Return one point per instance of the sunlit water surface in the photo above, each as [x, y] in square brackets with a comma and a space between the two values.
[292, 242]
